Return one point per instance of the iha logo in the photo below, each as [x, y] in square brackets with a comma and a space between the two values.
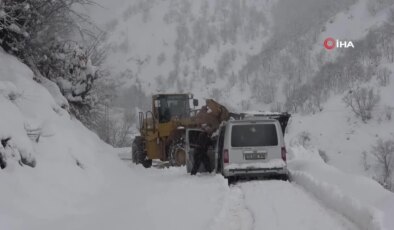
[331, 43]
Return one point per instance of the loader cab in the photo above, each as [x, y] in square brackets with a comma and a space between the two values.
[168, 106]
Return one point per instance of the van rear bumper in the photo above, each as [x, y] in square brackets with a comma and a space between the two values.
[255, 172]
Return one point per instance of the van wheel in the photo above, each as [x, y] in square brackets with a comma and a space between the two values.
[284, 177]
[231, 180]
[138, 155]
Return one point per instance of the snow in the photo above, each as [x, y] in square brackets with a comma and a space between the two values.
[80, 183]
[336, 131]
[15, 28]
[2, 13]
[146, 199]
[274, 163]
[357, 18]
[281, 205]
[360, 199]
[274, 205]
[54, 90]
[66, 155]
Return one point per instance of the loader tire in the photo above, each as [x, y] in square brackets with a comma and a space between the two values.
[177, 155]
[138, 155]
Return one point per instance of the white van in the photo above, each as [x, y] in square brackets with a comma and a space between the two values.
[252, 148]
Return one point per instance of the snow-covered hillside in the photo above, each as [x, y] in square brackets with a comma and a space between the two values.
[78, 182]
[185, 46]
[345, 139]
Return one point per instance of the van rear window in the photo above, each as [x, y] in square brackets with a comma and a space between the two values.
[254, 135]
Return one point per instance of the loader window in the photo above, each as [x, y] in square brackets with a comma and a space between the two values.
[254, 135]
[173, 106]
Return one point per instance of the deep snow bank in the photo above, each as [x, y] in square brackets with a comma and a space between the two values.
[360, 199]
[67, 155]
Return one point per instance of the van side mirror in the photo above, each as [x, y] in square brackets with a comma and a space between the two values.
[195, 102]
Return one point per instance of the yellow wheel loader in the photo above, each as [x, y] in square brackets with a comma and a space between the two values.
[163, 128]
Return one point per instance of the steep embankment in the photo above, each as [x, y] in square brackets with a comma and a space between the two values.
[68, 159]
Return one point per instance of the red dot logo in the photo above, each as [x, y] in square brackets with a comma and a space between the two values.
[329, 43]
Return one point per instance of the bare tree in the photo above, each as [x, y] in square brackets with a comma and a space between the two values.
[114, 128]
[121, 136]
[324, 156]
[374, 6]
[362, 101]
[384, 76]
[388, 111]
[384, 154]
[365, 162]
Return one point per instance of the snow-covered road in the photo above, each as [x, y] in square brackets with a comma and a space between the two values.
[276, 205]
[172, 199]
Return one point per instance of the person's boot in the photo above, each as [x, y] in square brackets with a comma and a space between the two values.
[194, 170]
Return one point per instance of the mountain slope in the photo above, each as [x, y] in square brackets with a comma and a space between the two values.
[186, 46]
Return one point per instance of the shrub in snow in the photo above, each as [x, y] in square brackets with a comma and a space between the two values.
[38, 32]
[277, 107]
[70, 66]
[365, 162]
[388, 111]
[29, 27]
[374, 6]
[74, 72]
[323, 155]
[161, 58]
[9, 91]
[384, 154]
[9, 150]
[362, 101]
[3, 163]
[384, 76]
[304, 138]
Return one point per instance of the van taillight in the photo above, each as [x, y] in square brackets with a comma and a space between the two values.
[226, 158]
[284, 153]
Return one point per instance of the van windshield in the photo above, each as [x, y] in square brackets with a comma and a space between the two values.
[254, 135]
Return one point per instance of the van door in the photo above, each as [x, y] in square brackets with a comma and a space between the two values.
[191, 142]
[219, 150]
[190, 146]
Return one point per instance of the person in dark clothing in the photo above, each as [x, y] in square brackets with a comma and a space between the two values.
[201, 153]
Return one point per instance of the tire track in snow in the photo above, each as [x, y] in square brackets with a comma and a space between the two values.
[275, 205]
[234, 214]
[280, 205]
